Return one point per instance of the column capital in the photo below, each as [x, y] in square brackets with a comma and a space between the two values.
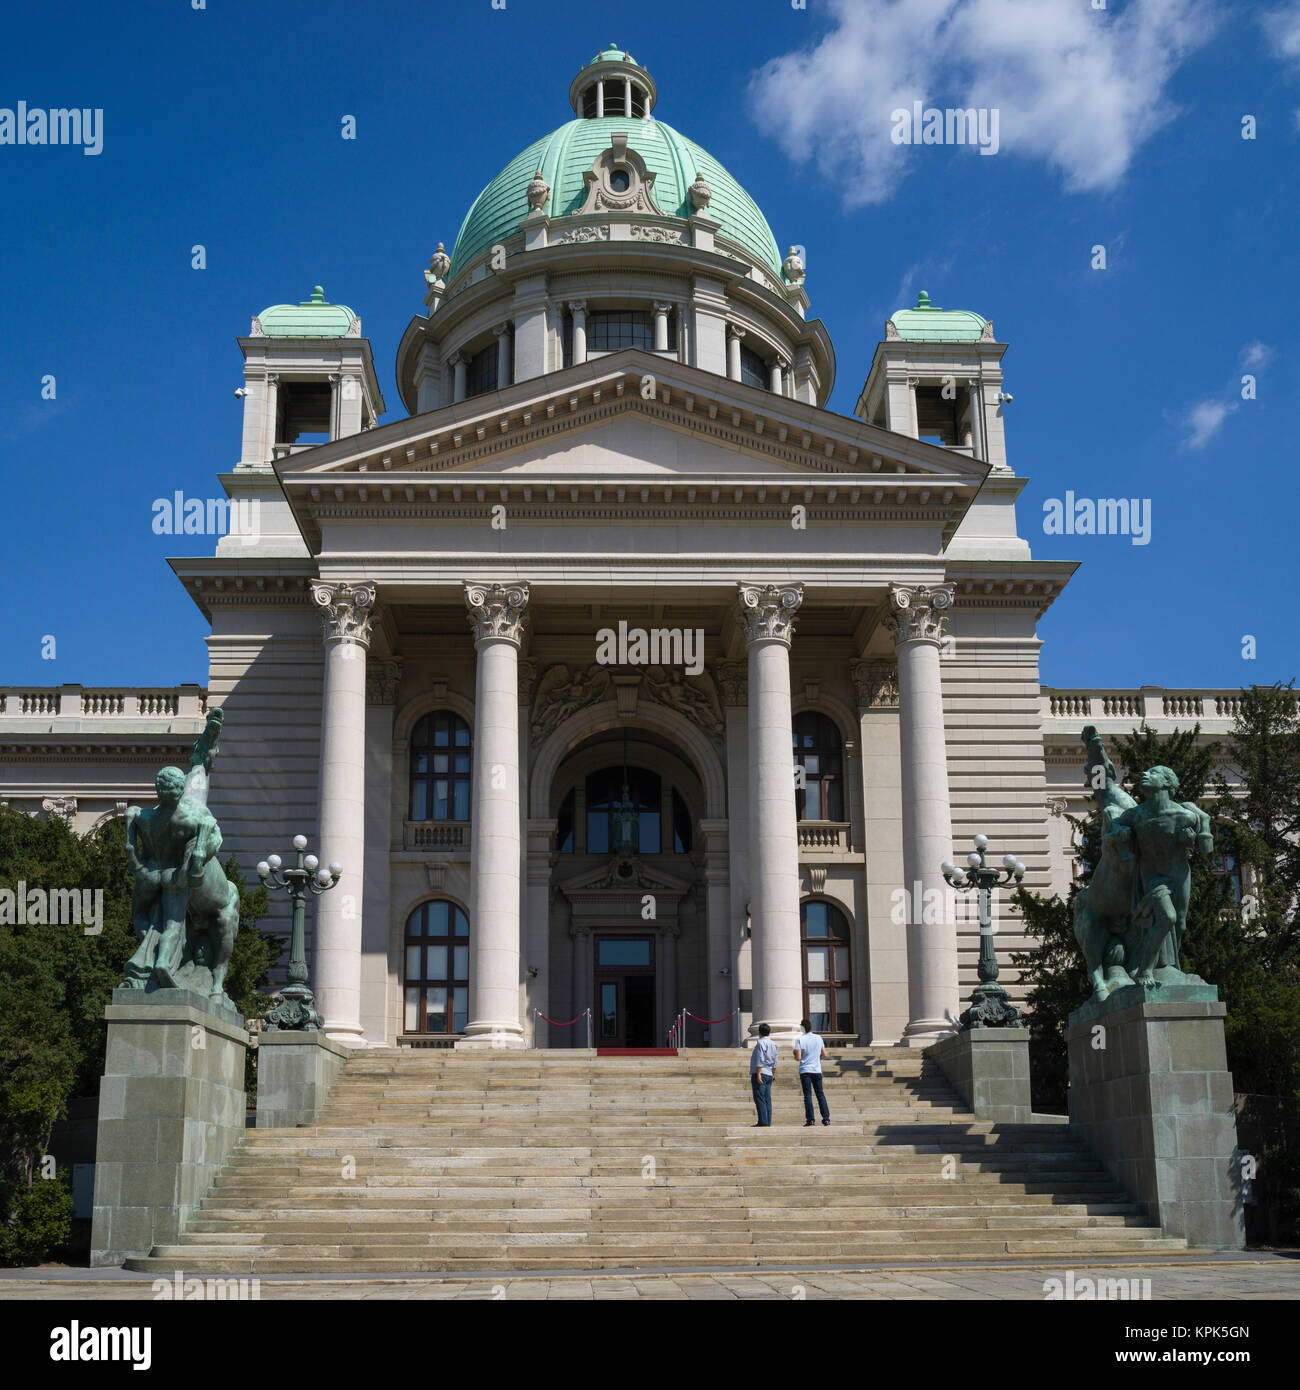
[496, 611]
[382, 679]
[577, 306]
[877, 684]
[767, 611]
[501, 329]
[733, 677]
[346, 610]
[662, 308]
[735, 331]
[917, 612]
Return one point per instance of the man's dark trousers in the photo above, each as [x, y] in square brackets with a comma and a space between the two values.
[812, 1081]
[762, 1098]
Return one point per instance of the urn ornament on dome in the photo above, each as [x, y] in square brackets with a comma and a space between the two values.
[440, 263]
[700, 193]
[792, 268]
[538, 192]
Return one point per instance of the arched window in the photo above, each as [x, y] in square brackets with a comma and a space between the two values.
[606, 816]
[440, 768]
[817, 751]
[437, 969]
[827, 991]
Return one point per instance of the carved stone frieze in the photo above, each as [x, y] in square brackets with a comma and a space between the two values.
[733, 678]
[382, 679]
[877, 684]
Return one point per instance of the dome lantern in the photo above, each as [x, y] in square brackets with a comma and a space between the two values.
[613, 84]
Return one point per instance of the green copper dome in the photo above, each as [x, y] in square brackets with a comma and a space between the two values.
[927, 323]
[313, 318]
[566, 154]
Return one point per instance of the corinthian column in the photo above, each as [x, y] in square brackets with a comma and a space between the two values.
[346, 612]
[767, 612]
[496, 614]
[916, 618]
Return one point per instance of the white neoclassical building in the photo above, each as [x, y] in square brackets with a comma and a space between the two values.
[620, 673]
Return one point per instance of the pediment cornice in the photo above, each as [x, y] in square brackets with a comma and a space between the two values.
[793, 453]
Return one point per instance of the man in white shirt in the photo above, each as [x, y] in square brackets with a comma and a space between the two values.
[762, 1068]
[808, 1049]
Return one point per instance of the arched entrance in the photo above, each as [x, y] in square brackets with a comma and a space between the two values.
[627, 800]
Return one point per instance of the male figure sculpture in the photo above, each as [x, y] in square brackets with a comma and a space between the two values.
[1130, 917]
[184, 908]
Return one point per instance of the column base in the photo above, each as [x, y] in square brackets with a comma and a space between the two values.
[782, 1033]
[347, 1035]
[492, 1037]
[922, 1032]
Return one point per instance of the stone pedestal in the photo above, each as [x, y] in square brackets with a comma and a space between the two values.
[1151, 1095]
[171, 1107]
[295, 1072]
[989, 1069]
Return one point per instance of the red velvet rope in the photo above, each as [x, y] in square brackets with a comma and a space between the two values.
[557, 1022]
[698, 1019]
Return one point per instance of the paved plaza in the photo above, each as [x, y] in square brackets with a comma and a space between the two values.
[1245, 1278]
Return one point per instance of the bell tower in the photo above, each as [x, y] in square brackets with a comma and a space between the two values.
[309, 377]
[937, 376]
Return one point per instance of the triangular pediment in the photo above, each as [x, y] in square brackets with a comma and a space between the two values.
[631, 415]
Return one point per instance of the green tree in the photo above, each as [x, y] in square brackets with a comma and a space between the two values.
[55, 982]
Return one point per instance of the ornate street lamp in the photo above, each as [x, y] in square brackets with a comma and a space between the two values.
[296, 1008]
[990, 1007]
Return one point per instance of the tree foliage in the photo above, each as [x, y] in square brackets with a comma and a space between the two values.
[55, 982]
[1250, 948]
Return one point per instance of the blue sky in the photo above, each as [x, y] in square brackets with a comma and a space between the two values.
[1120, 128]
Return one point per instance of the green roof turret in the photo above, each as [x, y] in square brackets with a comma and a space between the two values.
[928, 323]
[312, 318]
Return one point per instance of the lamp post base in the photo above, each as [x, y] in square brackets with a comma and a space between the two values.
[296, 1011]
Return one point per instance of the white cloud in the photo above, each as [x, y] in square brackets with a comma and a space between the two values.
[1204, 420]
[1256, 354]
[1282, 26]
[1079, 89]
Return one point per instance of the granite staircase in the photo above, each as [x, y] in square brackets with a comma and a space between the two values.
[436, 1160]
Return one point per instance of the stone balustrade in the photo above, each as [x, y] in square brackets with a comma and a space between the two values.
[823, 836]
[1152, 703]
[120, 702]
[440, 834]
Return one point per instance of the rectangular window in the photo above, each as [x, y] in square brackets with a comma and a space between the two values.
[819, 963]
[609, 1011]
[461, 1004]
[819, 1010]
[632, 952]
[610, 330]
[411, 1015]
[435, 1009]
[481, 372]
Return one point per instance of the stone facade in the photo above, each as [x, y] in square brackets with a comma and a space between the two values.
[856, 583]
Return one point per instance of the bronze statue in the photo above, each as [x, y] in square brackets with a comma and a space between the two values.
[183, 907]
[1130, 917]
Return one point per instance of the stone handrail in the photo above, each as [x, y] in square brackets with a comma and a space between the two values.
[114, 702]
[823, 835]
[436, 834]
[1149, 703]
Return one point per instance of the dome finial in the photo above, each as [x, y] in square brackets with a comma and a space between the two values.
[923, 300]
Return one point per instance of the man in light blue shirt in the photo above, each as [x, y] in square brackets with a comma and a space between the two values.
[762, 1068]
[808, 1048]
